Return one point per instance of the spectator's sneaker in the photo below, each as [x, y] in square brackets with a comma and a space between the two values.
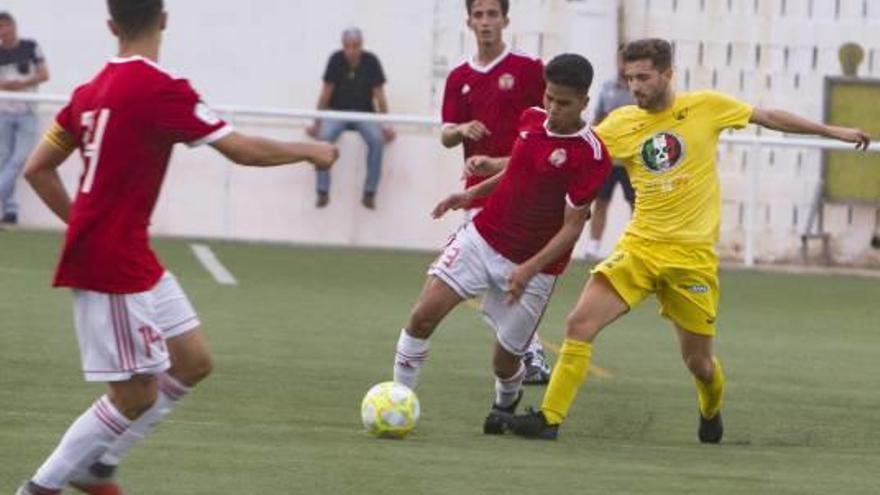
[494, 422]
[711, 430]
[98, 480]
[532, 424]
[323, 200]
[369, 200]
[537, 369]
[9, 219]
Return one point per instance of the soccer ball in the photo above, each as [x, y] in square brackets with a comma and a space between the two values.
[390, 410]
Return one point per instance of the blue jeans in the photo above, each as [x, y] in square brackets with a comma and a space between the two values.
[17, 136]
[330, 131]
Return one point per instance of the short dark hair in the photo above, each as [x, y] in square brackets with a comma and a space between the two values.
[658, 51]
[6, 17]
[571, 70]
[135, 17]
[505, 6]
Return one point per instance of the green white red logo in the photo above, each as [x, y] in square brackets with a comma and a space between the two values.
[662, 152]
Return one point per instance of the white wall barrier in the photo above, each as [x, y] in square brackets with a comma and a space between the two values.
[206, 196]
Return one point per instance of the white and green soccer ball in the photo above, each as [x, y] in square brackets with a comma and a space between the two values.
[390, 410]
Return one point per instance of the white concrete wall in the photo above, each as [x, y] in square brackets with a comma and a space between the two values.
[788, 177]
[271, 53]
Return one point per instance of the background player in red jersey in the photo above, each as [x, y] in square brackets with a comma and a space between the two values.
[482, 103]
[522, 239]
[136, 329]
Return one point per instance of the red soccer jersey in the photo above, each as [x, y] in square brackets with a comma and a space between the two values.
[496, 95]
[125, 121]
[546, 172]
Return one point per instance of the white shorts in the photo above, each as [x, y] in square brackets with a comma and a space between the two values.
[470, 214]
[471, 267]
[122, 335]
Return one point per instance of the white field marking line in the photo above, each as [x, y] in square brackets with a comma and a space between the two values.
[209, 260]
[550, 346]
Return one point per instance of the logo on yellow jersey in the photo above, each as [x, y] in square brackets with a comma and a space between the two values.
[662, 152]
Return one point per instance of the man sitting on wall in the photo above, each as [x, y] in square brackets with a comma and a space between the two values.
[353, 81]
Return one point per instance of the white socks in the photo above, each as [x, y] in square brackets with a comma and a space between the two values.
[170, 391]
[592, 248]
[86, 439]
[411, 354]
[506, 389]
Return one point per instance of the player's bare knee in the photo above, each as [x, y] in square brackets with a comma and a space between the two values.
[505, 364]
[581, 326]
[193, 371]
[203, 368]
[422, 323]
[134, 397]
[700, 366]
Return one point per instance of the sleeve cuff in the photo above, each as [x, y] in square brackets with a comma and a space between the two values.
[572, 204]
[214, 136]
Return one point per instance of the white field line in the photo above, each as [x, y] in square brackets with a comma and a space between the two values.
[209, 260]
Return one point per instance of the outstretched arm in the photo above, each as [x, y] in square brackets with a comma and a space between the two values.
[461, 200]
[780, 120]
[264, 152]
[454, 134]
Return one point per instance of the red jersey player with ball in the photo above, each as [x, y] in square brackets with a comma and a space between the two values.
[136, 329]
[521, 241]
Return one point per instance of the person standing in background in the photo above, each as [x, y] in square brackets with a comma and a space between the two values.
[22, 68]
[613, 95]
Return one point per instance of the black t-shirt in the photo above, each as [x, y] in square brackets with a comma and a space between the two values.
[353, 86]
[19, 62]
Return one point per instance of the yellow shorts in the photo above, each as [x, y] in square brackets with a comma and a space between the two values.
[684, 277]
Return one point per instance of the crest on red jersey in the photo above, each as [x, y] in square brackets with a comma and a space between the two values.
[465, 89]
[558, 157]
[506, 82]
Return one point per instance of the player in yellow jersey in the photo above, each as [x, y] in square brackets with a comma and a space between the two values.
[667, 143]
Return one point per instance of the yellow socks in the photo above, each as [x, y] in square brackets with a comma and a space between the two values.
[710, 395]
[568, 375]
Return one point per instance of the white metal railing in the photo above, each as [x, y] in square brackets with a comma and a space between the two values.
[238, 110]
[757, 142]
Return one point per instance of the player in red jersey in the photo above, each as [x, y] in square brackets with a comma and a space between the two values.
[136, 329]
[522, 239]
[482, 103]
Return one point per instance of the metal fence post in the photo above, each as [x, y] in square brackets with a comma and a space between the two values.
[752, 204]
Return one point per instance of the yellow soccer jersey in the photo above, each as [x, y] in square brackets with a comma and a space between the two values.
[670, 157]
